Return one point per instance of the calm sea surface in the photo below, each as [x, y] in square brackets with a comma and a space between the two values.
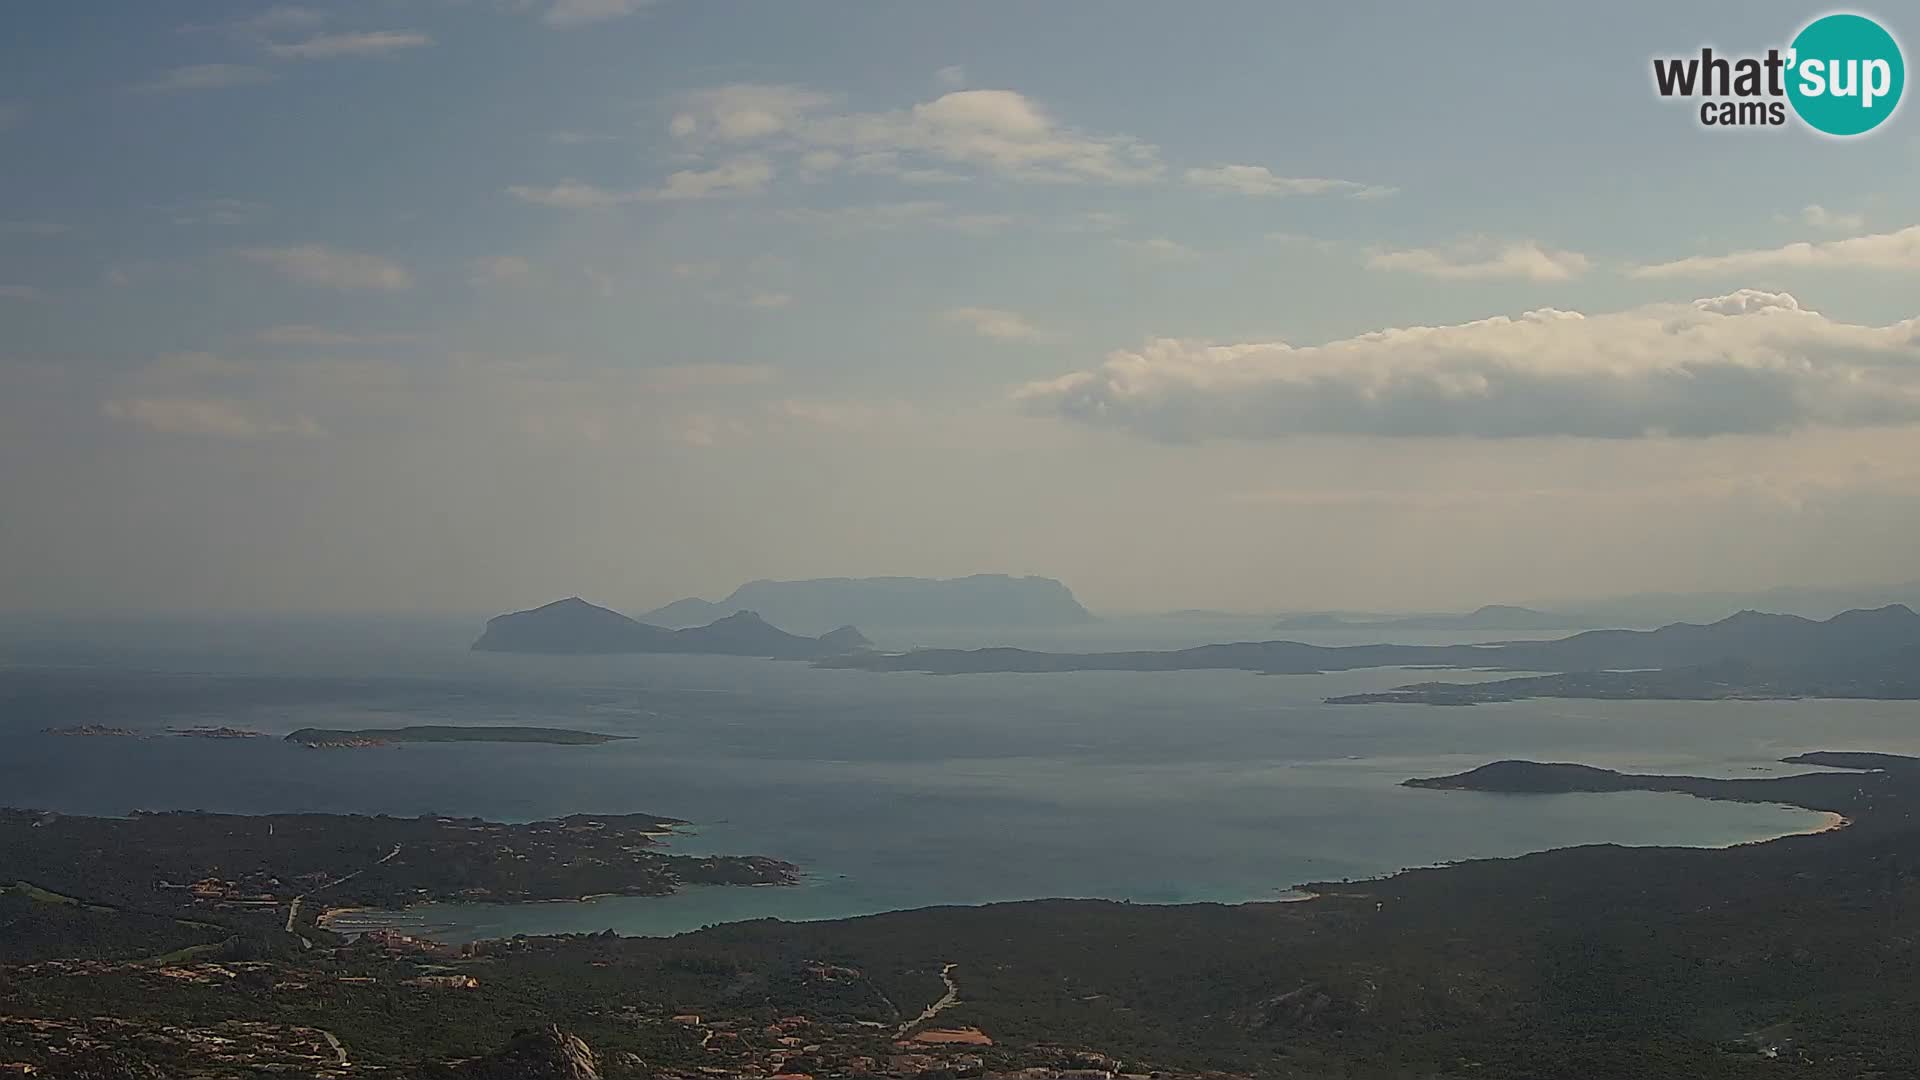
[892, 791]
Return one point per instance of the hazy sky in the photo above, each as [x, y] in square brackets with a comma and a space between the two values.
[418, 304]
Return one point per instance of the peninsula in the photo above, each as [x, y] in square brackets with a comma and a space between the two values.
[179, 864]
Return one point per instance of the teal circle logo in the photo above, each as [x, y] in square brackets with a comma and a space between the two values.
[1845, 74]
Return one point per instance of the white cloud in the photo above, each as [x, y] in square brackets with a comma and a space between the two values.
[1881, 251]
[1259, 180]
[224, 418]
[1822, 218]
[1484, 259]
[742, 176]
[1750, 362]
[315, 264]
[32, 228]
[953, 76]
[24, 293]
[570, 195]
[320, 336]
[745, 111]
[894, 215]
[583, 12]
[770, 300]
[366, 43]
[218, 212]
[500, 270]
[205, 77]
[1159, 247]
[273, 20]
[994, 323]
[994, 131]
[582, 138]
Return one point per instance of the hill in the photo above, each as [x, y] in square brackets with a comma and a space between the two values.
[573, 626]
[1489, 617]
[1750, 637]
[817, 604]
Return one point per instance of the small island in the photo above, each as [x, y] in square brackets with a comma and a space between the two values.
[346, 738]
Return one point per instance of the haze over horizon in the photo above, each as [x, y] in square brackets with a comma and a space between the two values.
[431, 306]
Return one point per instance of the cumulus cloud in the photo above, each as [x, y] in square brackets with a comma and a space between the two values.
[1898, 250]
[224, 418]
[366, 43]
[314, 264]
[1749, 362]
[1484, 260]
[994, 323]
[26, 293]
[743, 176]
[993, 131]
[204, 77]
[1259, 180]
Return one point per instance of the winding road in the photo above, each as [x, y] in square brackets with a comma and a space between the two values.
[947, 1001]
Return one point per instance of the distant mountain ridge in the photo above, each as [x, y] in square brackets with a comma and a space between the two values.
[814, 604]
[573, 626]
[1750, 637]
[1489, 617]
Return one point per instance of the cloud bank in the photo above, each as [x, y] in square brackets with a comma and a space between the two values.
[1746, 363]
[1899, 250]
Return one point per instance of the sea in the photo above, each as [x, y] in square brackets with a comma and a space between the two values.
[890, 790]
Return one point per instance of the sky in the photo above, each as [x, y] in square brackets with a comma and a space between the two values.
[426, 305]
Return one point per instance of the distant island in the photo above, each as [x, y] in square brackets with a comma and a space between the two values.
[1488, 617]
[573, 626]
[333, 738]
[981, 600]
[1868, 651]
[1893, 676]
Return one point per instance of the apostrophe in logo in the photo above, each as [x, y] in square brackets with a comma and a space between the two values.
[1842, 75]
[1847, 74]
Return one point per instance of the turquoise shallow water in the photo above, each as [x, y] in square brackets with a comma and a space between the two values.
[899, 790]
